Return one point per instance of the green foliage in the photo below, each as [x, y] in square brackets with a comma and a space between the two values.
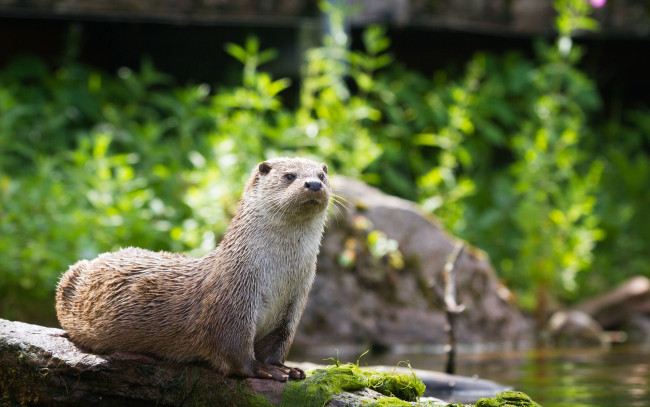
[550, 187]
[86, 168]
[333, 119]
[621, 203]
[511, 154]
[573, 15]
[533, 211]
[554, 212]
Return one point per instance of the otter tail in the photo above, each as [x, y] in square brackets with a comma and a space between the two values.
[66, 292]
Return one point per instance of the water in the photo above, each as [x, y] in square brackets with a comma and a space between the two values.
[577, 378]
[614, 377]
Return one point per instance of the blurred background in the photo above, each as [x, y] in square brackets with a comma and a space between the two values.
[522, 125]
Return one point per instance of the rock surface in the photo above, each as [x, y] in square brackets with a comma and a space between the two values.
[453, 388]
[575, 329]
[363, 297]
[40, 366]
[637, 328]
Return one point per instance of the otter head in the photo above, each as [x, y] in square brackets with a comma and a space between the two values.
[291, 188]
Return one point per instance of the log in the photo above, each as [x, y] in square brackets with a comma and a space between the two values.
[615, 307]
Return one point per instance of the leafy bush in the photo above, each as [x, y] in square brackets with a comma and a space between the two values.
[90, 163]
[509, 155]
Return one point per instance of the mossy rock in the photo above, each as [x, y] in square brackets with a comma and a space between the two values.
[321, 384]
[508, 399]
[40, 365]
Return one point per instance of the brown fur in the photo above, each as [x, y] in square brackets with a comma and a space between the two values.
[237, 307]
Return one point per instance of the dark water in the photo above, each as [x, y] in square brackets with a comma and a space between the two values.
[614, 377]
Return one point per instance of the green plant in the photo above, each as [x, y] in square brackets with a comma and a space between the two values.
[556, 197]
[331, 119]
[81, 176]
[507, 153]
[622, 199]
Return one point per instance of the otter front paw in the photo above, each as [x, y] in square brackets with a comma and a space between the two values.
[263, 371]
[294, 372]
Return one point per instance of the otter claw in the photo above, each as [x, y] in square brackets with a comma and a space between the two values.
[297, 374]
[272, 372]
[294, 372]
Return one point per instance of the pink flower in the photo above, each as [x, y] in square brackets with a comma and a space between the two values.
[597, 3]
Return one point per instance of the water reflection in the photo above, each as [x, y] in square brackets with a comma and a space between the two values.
[557, 378]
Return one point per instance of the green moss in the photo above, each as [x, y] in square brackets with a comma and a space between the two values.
[251, 399]
[319, 386]
[389, 402]
[403, 386]
[199, 390]
[255, 400]
[508, 399]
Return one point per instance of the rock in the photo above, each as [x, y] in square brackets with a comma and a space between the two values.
[615, 307]
[453, 388]
[40, 366]
[575, 329]
[368, 293]
[637, 328]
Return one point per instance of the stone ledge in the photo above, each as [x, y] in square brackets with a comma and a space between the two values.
[40, 366]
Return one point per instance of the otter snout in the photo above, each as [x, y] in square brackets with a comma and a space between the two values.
[313, 185]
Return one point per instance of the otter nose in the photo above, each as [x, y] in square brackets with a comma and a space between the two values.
[313, 185]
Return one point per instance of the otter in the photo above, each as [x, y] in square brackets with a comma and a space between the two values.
[237, 307]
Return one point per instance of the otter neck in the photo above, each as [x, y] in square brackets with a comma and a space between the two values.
[254, 236]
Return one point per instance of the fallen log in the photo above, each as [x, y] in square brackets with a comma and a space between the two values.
[612, 309]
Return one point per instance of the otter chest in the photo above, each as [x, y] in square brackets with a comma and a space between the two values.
[286, 278]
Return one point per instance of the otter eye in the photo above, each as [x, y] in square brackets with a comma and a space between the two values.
[321, 176]
[289, 177]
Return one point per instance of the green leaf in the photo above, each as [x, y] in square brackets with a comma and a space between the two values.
[237, 52]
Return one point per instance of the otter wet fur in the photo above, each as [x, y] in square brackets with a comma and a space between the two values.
[237, 307]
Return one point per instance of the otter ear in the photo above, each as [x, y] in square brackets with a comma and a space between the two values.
[325, 168]
[264, 167]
